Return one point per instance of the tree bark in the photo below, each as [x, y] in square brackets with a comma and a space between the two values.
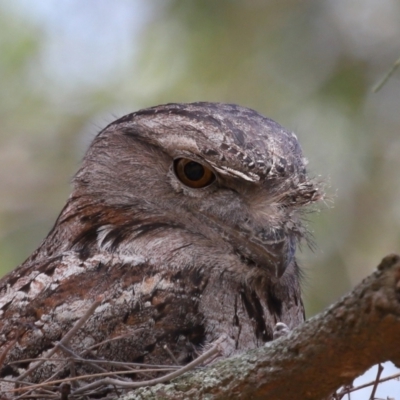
[315, 359]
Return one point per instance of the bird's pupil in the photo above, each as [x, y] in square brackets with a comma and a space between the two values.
[194, 171]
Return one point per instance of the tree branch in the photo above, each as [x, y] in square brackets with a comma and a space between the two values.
[312, 361]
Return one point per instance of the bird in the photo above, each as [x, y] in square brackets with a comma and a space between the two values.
[182, 226]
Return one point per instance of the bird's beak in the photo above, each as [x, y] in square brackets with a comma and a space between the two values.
[269, 249]
[272, 254]
[278, 255]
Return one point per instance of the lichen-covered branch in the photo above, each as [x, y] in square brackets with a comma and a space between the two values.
[312, 361]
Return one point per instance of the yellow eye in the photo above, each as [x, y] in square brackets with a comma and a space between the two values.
[192, 173]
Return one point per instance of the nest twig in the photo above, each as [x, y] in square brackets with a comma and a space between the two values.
[99, 383]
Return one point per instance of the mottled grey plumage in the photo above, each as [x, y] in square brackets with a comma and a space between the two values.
[175, 265]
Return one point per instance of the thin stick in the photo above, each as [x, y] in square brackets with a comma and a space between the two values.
[29, 394]
[132, 385]
[129, 334]
[42, 396]
[378, 375]
[65, 339]
[118, 363]
[388, 378]
[166, 348]
[392, 70]
[65, 390]
[77, 378]
[59, 369]
[77, 358]
[82, 360]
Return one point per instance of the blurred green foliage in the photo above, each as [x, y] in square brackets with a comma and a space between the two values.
[66, 70]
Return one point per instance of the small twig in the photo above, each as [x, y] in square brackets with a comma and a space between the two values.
[64, 340]
[42, 396]
[77, 358]
[166, 348]
[116, 390]
[65, 390]
[56, 372]
[117, 363]
[392, 70]
[388, 378]
[77, 378]
[13, 381]
[129, 334]
[43, 393]
[72, 373]
[378, 375]
[132, 385]
[345, 390]
[29, 393]
[133, 366]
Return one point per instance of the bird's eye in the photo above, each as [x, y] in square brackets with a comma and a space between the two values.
[192, 173]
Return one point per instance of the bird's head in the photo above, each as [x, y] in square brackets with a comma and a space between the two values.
[201, 176]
